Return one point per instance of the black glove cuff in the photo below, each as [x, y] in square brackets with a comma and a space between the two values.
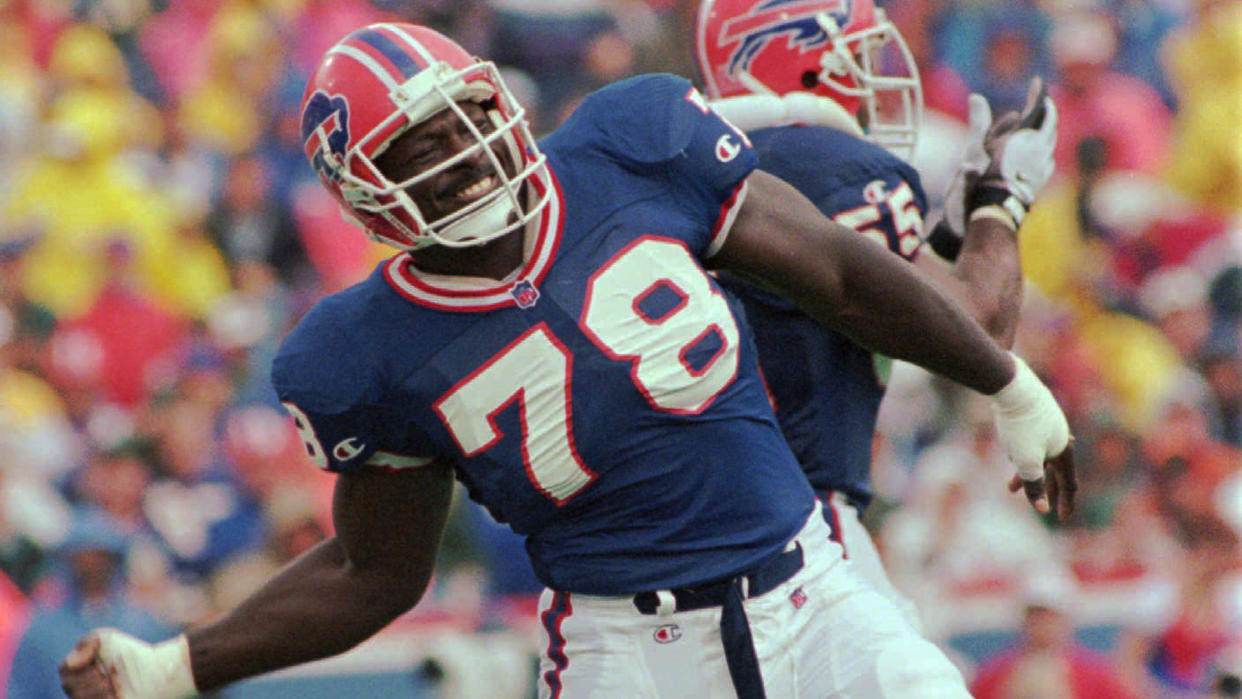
[945, 242]
[985, 195]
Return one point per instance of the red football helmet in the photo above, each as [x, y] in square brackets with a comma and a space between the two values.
[379, 81]
[846, 50]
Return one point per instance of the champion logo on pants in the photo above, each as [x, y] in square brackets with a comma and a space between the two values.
[797, 598]
[667, 633]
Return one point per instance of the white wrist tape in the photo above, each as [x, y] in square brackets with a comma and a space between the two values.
[145, 671]
[996, 212]
[1029, 423]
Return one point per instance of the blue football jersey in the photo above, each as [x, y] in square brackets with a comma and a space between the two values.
[604, 402]
[827, 389]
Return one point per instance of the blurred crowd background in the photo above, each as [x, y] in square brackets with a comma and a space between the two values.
[160, 232]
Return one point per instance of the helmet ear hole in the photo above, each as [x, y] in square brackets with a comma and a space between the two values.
[810, 79]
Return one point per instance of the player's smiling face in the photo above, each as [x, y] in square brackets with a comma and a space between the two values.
[435, 140]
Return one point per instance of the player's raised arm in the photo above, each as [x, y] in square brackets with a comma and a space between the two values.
[1006, 164]
[336, 595]
[887, 306]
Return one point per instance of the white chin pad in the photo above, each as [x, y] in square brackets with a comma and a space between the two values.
[480, 224]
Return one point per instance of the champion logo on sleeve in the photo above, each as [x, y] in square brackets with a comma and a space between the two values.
[347, 449]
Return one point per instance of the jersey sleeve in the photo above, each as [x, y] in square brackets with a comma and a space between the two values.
[663, 122]
[352, 438]
[335, 397]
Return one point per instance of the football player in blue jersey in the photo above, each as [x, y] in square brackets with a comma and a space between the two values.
[549, 336]
[829, 95]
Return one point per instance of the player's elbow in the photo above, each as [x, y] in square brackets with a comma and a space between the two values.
[389, 592]
[381, 588]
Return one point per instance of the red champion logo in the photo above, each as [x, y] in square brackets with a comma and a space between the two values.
[667, 633]
[797, 598]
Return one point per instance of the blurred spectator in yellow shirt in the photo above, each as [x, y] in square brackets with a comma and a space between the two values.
[85, 188]
[1066, 258]
[1205, 60]
[244, 62]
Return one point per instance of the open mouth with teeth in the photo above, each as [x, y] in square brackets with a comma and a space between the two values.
[476, 189]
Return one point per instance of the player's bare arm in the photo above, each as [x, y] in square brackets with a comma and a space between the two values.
[857, 287]
[388, 527]
[1006, 165]
[986, 279]
[886, 305]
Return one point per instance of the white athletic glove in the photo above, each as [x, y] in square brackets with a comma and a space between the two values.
[1006, 165]
[144, 671]
[1033, 431]
[750, 112]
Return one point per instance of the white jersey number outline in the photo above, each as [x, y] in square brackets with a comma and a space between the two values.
[313, 448]
[535, 370]
[907, 220]
[614, 319]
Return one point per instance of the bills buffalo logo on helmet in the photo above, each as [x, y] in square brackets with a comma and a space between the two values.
[329, 115]
[792, 19]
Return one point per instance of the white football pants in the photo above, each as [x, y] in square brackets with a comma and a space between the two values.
[860, 551]
[824, 632]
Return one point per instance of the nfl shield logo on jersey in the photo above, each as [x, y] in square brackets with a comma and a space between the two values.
[524, 293]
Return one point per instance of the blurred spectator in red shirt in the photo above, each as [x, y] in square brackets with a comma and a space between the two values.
[944, 90]
[1048, 662]
[1191, 464]
[14, 608]
[1181, 656]
[133, 332]
[1095, 101]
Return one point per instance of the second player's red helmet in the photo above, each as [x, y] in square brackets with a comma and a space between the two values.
[846, 50]
[380, 80]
